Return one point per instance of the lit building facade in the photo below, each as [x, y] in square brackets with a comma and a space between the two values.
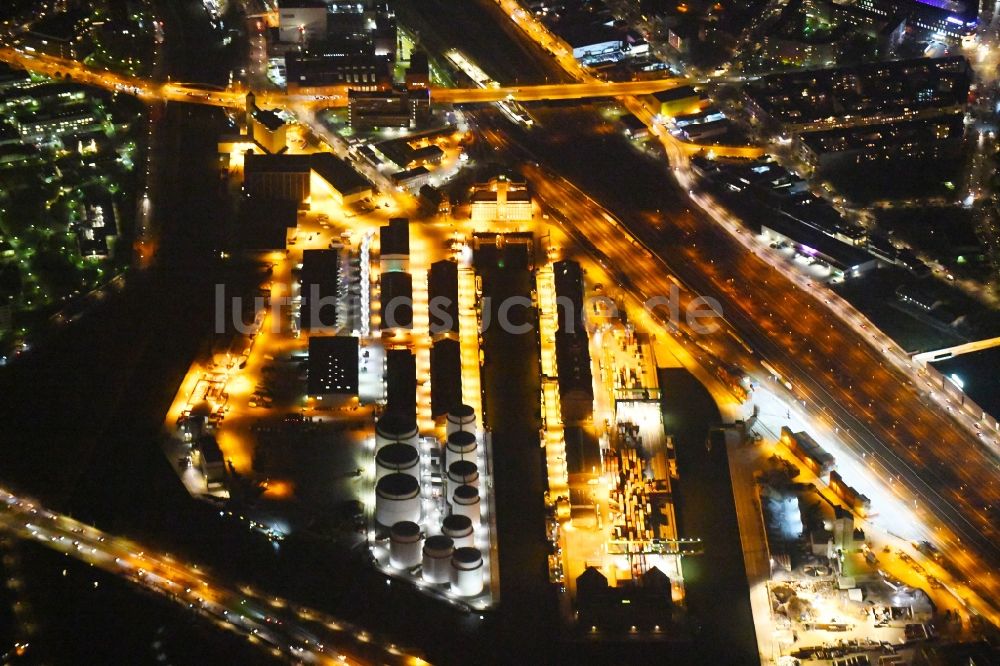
[501, 200]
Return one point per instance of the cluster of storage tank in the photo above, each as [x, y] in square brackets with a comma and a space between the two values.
[447, 558]
[451, 556]
[397, 470]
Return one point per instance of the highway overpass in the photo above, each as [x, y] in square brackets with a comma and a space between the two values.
[957, 350]
[148, 90]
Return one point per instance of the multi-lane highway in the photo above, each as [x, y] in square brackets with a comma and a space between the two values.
[877, 410]
[273, 624]
[888, 421]
[554, 91]
[838, 367]
[326, 96]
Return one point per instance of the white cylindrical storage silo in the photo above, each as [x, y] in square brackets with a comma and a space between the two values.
[405, 542]
[460, 529]
[397, 457]
[461, 445]
[463, 472]
[465, 502]
[438, 550]
[467, 572]
[397, 498]
[395, 427]
[462, 417]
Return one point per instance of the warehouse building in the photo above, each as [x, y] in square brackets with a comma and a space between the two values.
[319, 281]
[446, 376]
[676, 101]
[442, 289]
[290, 177]
[332, 369]
[844, 260]
[396, 300]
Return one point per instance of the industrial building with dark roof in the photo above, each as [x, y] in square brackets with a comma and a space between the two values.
[396, 301]
[346, 183]
[333, 366]
[576, 384]
[319, 282]
[321, 66]
[277, 176]
[394, 238]
[442, 291]
[446, 376]
[568, 278]
[644, 602]
[372, 109]
[410, 177]
[401, 381]
[212, 462]
[413, 149]
[287, 177]
[848, 260]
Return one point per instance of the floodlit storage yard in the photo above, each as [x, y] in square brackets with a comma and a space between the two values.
[502, 331]
[316, 402]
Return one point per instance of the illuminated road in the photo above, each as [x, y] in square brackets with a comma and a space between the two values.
[541, 92]
[285, 630]
[906, 441]
[325, 96]
[837, 366]
[831, 367]
[888, 419]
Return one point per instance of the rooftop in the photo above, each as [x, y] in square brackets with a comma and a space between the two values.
[446, 376]
[418, 63]
[632, 122]
[442, 284]
[409, 174]
[319, 279]
[844, 256]
[581, 36]
[338, 173]
[210, 449]
[396, 300]
[674, 94]
[269, 119]
[568, 279]
[284, 163]
[394, 238]
[401, 381]
[885, 135]
[333, 365]
[865, 91]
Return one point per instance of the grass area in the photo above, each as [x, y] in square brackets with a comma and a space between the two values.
[46, 208]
